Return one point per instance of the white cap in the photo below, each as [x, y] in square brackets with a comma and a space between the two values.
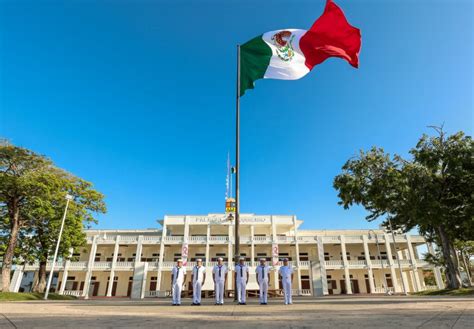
[180, 260]
[241, 258]
[199, 260]
[263, 259]
[220, 258]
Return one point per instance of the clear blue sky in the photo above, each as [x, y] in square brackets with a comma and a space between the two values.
[138, 97]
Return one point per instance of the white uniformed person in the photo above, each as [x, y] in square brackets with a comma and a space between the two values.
[198, 277]
[219, 275]
[241, 280]
[263, 278]
[178, 278]
[286, 276]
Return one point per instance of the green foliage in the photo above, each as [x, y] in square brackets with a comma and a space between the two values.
[13, 296]
[431, 192]
[446, 292]
[32, 202]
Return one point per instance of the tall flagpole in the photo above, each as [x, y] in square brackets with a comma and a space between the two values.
[237, 168]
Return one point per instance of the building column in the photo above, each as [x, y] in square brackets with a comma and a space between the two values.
[138, 253]
[318, 271]
[347, 276]
[208, 237]
[414, 265]
[67, 263]
[252, 250]
[297, 247]
[436, 269]
[274, 241]
[15, 282]
[112, 268]
[230, 257]
[393, 273]
[90, 267]
[369, 264]
[160, 259]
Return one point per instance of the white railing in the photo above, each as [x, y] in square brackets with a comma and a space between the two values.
[221, 238]
[310, 239]
[168, 264]
[199, 238]
[245, 239]
[262, 238]
[353, 238]
[57, 265]
[155, 293]
[152, 238]
[76, 293]
[378, 263]
[78, 265]
[128, 238]
[357, 263]
[102, 265]
[304, 263]
[333, 263]
[281, 238]
[127, 265]
[382, 290]
[172, 238]
[302, 292]
[403, 262]
[331, 238]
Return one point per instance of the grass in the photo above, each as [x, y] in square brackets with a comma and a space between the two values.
[12, 296]
[446, 292]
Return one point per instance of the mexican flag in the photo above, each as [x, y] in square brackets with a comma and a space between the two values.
[290, 54]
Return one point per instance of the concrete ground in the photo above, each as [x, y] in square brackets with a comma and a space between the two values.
[328, 312]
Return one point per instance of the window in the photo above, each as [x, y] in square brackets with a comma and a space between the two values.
[220, 254]
[262, 254]
[304, 256]
[156, 255]
[200, 255]
[72, 278]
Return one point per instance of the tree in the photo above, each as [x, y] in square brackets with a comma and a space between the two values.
[432, 191]
[40, 211]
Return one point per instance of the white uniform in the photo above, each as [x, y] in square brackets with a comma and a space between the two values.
[286, 272]
[241, 275]
[219, 272]
[198, 278]
[177, 284]
[262, 275]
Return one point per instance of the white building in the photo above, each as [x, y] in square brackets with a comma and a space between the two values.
[325, 261]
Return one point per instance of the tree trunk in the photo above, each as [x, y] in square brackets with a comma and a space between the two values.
[14, 214]
[40, 283]
[452, 270]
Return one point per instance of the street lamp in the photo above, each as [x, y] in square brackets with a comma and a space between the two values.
[51, 273]
[398, 258]
[380, 258]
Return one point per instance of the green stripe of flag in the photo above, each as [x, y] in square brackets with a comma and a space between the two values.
[254, 59]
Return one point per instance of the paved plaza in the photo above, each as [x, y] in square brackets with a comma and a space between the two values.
[326, 312]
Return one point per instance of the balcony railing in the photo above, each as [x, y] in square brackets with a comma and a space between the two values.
[75, 266]
[218, 238]
[357, 263]
[76, 293]
[102, 265]
[334, 263]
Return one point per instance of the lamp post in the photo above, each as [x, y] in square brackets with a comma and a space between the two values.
[51, 273]
[398, 258]
[380, 258]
